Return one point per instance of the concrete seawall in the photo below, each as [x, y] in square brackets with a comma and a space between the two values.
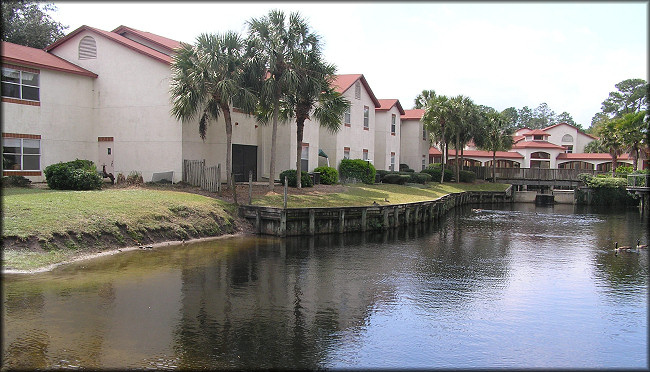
[311, 221]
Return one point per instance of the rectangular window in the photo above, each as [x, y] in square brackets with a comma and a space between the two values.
[346, 117]
[392, 161]
[365, 154]
[392, 124]
[424, 163]
[424, 133]
[20, 84]
[366, 117]
[21, 154]
[569, 149]
[346, 153]
[538, 137]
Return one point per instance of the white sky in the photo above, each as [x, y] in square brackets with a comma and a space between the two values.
[569, 55]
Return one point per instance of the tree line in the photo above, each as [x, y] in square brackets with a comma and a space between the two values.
[623, 125]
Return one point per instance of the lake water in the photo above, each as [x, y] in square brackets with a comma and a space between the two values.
[510, 287]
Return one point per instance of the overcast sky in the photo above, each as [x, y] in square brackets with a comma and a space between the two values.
[512, 54]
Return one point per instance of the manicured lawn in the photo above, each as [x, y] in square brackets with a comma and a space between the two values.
[361, 194]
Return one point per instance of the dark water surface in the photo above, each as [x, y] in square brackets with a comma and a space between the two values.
[517, 286]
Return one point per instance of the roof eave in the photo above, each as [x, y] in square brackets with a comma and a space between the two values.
[48, 67]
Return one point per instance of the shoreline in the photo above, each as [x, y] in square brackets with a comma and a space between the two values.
[90, 256]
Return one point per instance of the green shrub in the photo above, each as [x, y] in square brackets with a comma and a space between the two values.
[15, 181]
[351, 170]
[73, 175]
[381, 173]
[608, 190]
[623, 170]
[467, 176]
[290, 175]
[396, 178]
[421, 178]
[404, 167]
[435, 173]
[328, 175]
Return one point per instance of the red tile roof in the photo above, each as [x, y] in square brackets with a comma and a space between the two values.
[343, 82]
[536, 132]
[569, 125]
[415, 114]
[22, 55]
[162, 57]
[516, 139]
[591, 156]
[488, 154]
[434, 151]
[536, 144]
[387, 104]
[164, 42]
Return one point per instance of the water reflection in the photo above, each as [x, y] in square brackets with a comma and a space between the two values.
[517, 286]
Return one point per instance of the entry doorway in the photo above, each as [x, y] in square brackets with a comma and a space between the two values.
[244, 160]
[105, 153]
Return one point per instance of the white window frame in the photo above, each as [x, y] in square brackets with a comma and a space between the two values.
[392, 161]
[347, 117]
[22, 153]
[393, 124]
[346, 153]
[365, 155]
[366, 117]
[21, 84]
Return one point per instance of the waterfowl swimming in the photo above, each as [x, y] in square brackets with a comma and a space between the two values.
[624, 247]
[639, 245]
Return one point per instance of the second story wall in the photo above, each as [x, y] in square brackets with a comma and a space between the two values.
[132, 105]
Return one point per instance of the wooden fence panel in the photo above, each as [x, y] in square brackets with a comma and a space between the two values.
[196, 173]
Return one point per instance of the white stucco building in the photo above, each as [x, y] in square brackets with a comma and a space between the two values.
[414, 140]
[387, 134]
[356, 139]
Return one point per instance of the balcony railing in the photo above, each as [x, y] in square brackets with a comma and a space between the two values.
[542, 174]
[638, 180]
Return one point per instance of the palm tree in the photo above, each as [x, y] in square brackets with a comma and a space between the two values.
[424, 97]
[496, 135]
[610, 139]
[208, 78]
[314, 93]
[438, 113]
[631, 128]
[280, 45]
[464, 116]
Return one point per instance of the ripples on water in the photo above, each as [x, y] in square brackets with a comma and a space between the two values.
[520, 286]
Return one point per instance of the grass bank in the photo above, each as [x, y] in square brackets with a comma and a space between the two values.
[382, 194]
[41, 227]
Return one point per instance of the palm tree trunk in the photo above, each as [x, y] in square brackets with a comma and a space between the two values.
[443, 144]
[300, 126]
[457, 165]
[226, 116]
[612, 153]
[462, 158]
[274, 134]
[494, 166]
